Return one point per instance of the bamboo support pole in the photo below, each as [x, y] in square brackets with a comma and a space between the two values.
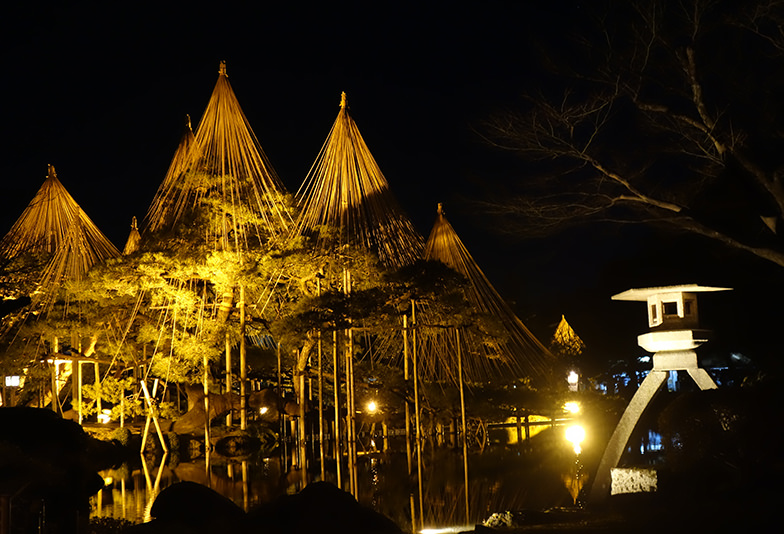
[416, 410]
[151, 416]
[206, 389]
[409, 455]
[243, 365]
[320, 394]
[463, 417]
[79, 388]
[336, 388]
[229, 421]
[55, 393]
[97, 388]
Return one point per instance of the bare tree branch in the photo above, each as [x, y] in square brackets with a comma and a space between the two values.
[658, 129]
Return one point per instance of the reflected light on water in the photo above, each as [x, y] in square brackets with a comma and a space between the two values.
[447, 530]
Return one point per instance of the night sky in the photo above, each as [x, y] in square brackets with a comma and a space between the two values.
[101, 93]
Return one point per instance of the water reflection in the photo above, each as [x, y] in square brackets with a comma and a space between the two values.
[505, 476]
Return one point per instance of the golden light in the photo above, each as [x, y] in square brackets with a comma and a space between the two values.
[572, 407]
[105, 416]
[573, 379]
[575, 435]
[263, 410]
[372, 406]
[13, 381]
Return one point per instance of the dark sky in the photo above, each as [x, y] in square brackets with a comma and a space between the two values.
[101, 93]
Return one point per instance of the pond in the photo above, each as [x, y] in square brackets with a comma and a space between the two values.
[538, 473]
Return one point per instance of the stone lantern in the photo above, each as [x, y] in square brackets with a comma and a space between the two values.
[674, 334]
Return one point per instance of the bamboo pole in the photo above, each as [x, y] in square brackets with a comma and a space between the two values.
[98, 388]
[320, 395]
[206, 387]
[351, 428]
[243, 365]
[301, 441]
[408, 422]
[416, 411]
[229, 421]
[151, 416]
[79, 387]
[463, 416]
[336, 388]
[55, 393]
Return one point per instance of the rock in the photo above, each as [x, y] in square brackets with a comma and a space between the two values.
[320, 508]
[188, 507]
[44, 458]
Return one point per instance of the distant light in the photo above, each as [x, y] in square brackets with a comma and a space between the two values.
[263, 410]
[446, 530]
[372, 406]
[575, 435]
[105, 416]
[644, 359]
[572, 407]
[12, 381]
[572, 379]
[107, 481]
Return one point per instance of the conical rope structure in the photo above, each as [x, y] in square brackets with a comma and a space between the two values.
[220, 203]
[53, 223]
[224, 164]
[160, 212]
[134, 239]
[47, 222]
[565, 340]
[516, 353]
[345, 200]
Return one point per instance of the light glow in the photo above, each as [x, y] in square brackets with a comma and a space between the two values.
[372, 406]
[12, 381]
[105, 416]
[263, 410]
[572, 407]
[575, 435]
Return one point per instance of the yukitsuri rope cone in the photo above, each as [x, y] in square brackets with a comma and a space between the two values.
[55, 226]
[518, 353]
[346, 194]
